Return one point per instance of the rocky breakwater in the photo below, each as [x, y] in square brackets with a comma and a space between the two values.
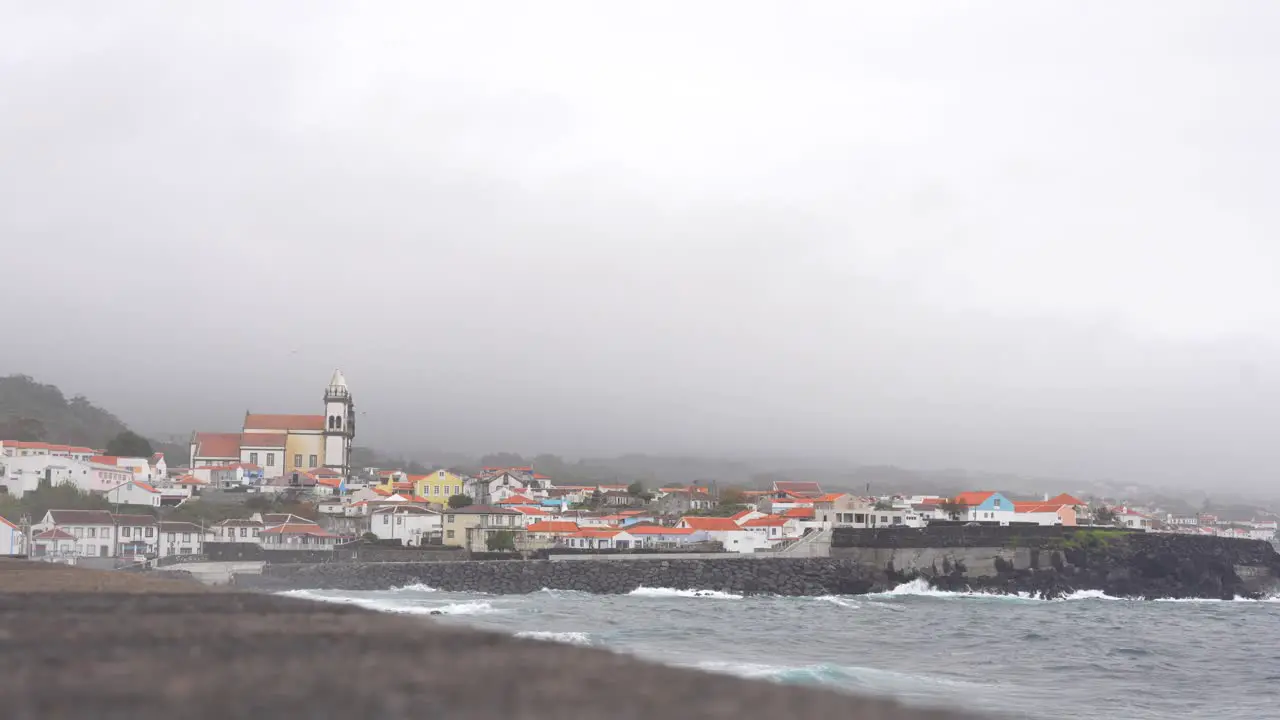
[1118, 563]
[778, 576]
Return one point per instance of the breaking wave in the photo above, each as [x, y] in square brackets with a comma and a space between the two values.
[416, 587]
[474, 607]
[674, 593]
[572, 638]
[842, 677]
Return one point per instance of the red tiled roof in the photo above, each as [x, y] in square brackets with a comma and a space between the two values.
[1065, 499]
[524, 510]
[553, 526]
[402, 485]
[973, 499]
[798, 487]
[659, 530]
[328, 481]
[189, 480]
[767, 521]
[284, 422]
[218, 445]
[829, 497]
[7, 523]
[105, 459]
[54, 534]
[144, 486]
[1036, 506]
[517, 500]
[709, 523]
[595, 533]
[263, 440]
[799, 512]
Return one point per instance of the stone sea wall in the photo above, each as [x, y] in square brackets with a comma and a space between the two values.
[1056, 561]
[779, 576]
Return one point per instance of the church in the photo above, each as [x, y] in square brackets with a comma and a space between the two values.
[282, 444]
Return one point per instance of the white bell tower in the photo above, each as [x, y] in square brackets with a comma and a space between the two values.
[339, 424]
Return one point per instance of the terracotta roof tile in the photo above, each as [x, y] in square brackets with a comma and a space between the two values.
[218, 445]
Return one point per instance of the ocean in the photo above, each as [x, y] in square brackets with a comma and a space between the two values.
[1086, 656]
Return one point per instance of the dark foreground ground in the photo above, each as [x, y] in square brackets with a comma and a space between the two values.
[87, 644]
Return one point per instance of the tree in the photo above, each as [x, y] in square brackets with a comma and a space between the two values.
[635, 489]
[129, 444]
[501, 541]
[1104, 515]
[883, 505]
[596, 499]
[459, 501]
[953, 508]
[731, 496]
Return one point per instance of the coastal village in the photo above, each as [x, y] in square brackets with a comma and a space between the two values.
[305, 459]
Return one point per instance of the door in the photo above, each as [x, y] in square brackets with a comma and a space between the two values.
[103, 551]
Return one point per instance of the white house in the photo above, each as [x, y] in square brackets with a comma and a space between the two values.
[135, 535]
[774, 527]
[134, 492]
[725, 530]
[21, 474]
[237, 531]
[657, 536]
[91, 533]
[1132, 520]
[180, 538]
[233, 475]
[410, 524]
[12, 541]
[599, 539]
[308, 536]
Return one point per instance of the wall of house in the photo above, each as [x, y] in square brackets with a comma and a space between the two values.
[306, 446]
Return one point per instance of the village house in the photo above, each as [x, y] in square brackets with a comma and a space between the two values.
[136, 535]
[1132, 520]
[677, 502]
[180, 538]
[12, 540]
[439, 485]
[1044, 513]
[134, 492]
[548, 533]
[985, 506]
[237, 531]
[21, 474]
[469, 527]
[841, 510]
[774, 528]
[599, 539]
[410, 524]
[298, 536]
[234, 475]
[17, 448]
[784, 489]
[91, 533]
[658, 537]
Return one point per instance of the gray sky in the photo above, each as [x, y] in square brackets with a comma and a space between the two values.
[1037, 237]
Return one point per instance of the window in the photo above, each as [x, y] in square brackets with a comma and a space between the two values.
[151, 532]
[253, 458]
[451, 519]
[313, 461]
[78, 532]
[399, 521]
[442, 473]
[297, 460]
[386, 519]
[244, 532]
[997, 503]
[93, 532]
[124, 531]
[435, 490]
[884, 518]
[255, 532]
[184, 551]
[186, 537]
[338, 424]
[449, 534]
[271, 459]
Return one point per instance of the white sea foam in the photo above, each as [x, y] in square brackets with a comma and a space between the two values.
[837, 600]
[416, 587]
[572, 638]
[397, 607]
[674, 593]
[847, 677]
[921, 588]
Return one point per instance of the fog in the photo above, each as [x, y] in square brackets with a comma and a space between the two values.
[1024, 237]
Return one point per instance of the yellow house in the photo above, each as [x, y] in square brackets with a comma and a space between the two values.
[438, 486]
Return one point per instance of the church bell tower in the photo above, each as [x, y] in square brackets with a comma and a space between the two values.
[339, 424]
